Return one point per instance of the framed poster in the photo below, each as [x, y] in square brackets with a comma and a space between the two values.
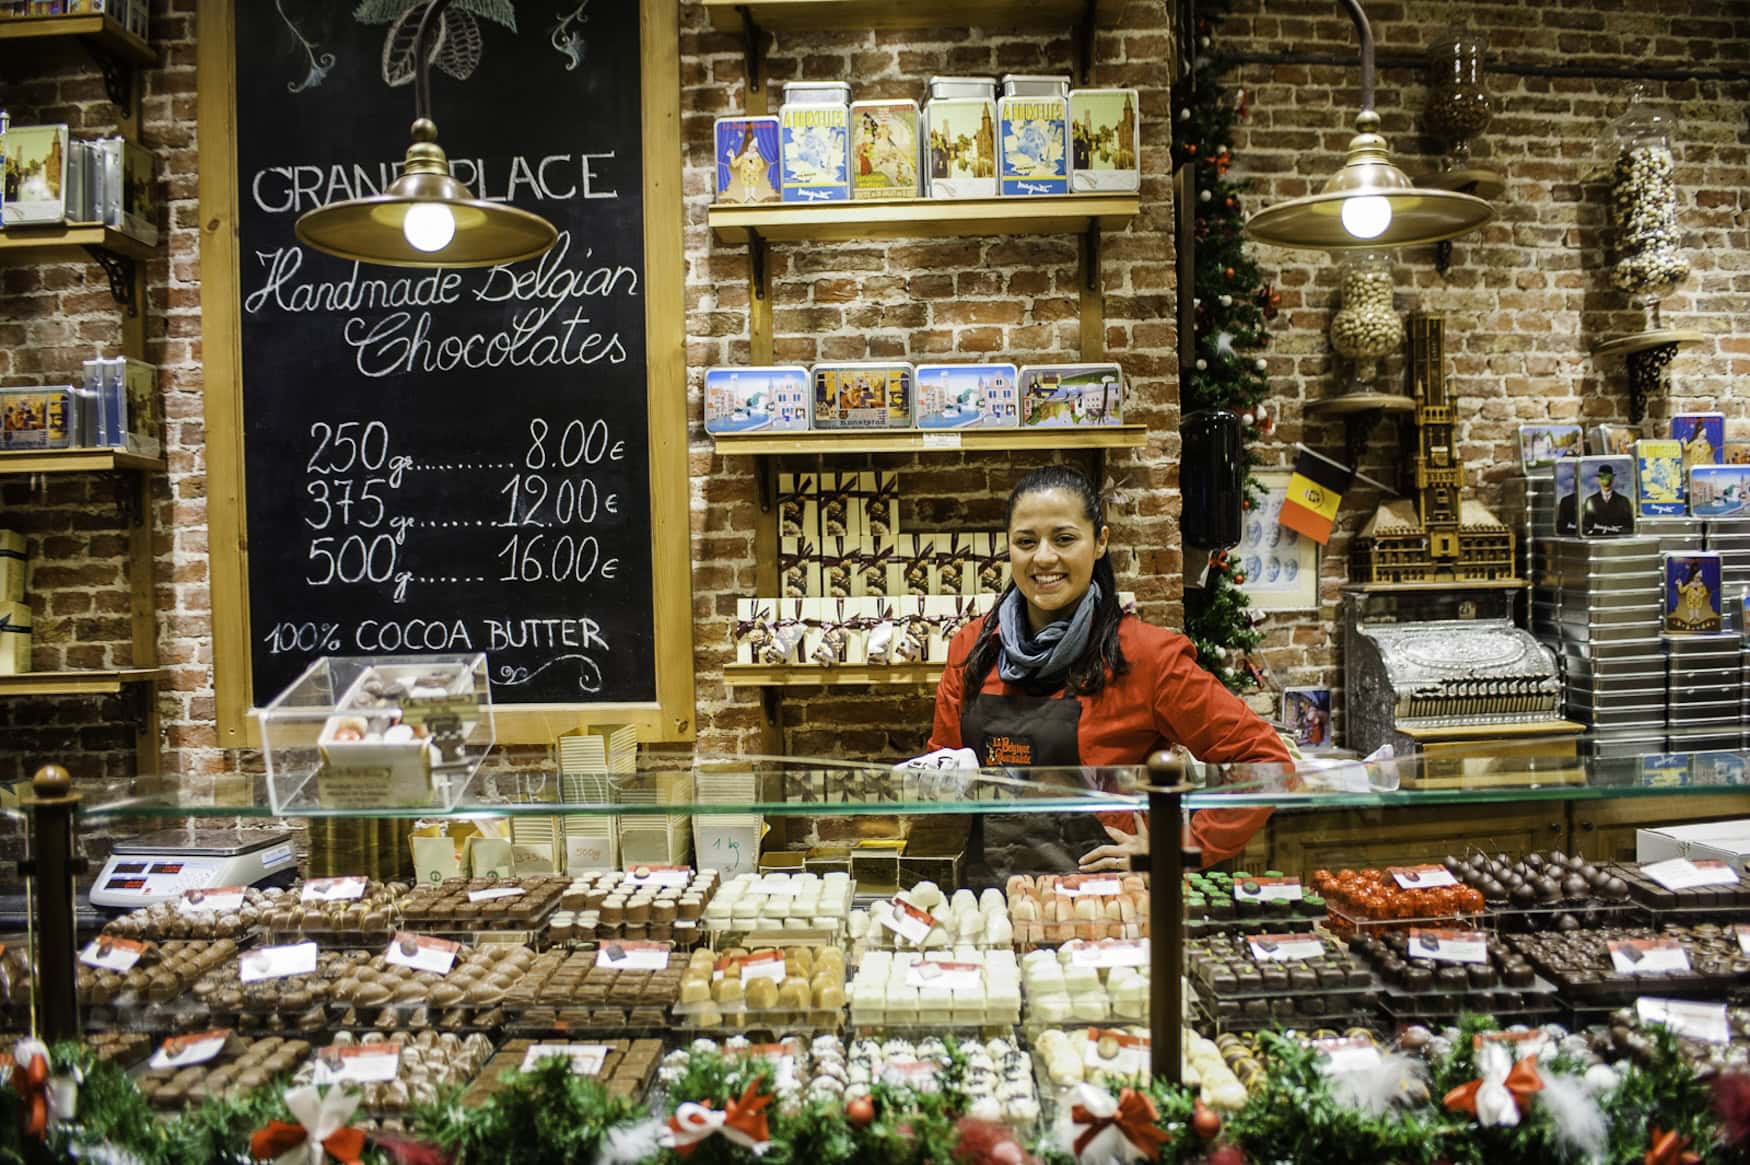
[1281, 565]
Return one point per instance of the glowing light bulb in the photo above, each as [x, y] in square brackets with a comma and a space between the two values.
[429, 226]
[1366, 217]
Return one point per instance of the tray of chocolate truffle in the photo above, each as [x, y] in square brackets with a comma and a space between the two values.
[1086, 982]
[1543, 889]
[185, 1070]
[1714, 1037]
[620, 985]
[395, 1073]
[123, 1049]
[624, 1067]
[193, 916]
[1396, 898]
[1110, 1057]
[1686, 888]
[1221, 903]
[142, 986]
[963, 919]
[959, 988]
[341, 912]
[1438, 973]
[513, 907]
[759, 904]
[780, 989]
[1249, 981]
[663, 904]
[1615, 963]
[1052, 909]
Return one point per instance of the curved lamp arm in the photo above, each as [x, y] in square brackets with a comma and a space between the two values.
[1362, 29]
[428, 25]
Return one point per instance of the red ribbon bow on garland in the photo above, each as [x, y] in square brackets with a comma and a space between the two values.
[281, 1137]
[30, 1079]
[1135, 1118]
[322, 1132]
[741, 1121]
[1668, 1148]
[1521, 1083]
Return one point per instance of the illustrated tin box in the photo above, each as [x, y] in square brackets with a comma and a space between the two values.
[1606, 493]
[749, 400]
[1616, 440]
[39, 418]
[36, 175]
[1692, 593]
[1105, 135]
[960, 149]
[1659, 483]
[126, 188]
[815, 150]
[875, 395]
[1035, 145]
[1071, 395]
[1540, 445]
[966, 396]
[1566, 472]
[1718, 491]
[747, 159]
[884, 150]
[1703, 436]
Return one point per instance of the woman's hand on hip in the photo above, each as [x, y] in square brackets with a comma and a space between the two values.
[1117, 855]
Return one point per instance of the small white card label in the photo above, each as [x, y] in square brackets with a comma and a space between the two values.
[112, 954]
[1449, 946]
[1077, 887]
[776, 886]
[360, 1064]
[764, 965]
[1283, 948]
[1423, 877]
[220, 900]
[1110, 952]
[1348, 1054]
[1116, 1052]
[632, 956]
[332, 889]
[586, 1059]
[908, 920]
[1683, 874]
[494, 893]
[1744, 939]
[277, 962]
[1701, 1021]
[941, 440]
[950, 975]
[187, 1051]
[1648, 954]
[422, 952]
[1269, 889]
[660, 876]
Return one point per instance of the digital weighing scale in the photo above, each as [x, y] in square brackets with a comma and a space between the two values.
[158, 866]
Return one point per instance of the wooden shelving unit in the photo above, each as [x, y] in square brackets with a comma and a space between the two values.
[47, 244]
[27, 461]
[77, 683]
[802, 15]
[915, 218]
[799, 675]
[119, 54]
[963, 440]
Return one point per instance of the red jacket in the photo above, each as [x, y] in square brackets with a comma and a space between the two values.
[1164, 698]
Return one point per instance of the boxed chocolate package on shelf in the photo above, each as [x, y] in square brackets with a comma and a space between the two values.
[40, 418]
[964, 396]
[960, 149]
[1034, 124]
[815, 146]
[884, 150]
[15, 638]
[757, 399]
[1071, 395]
[747, 159]
[868, 395]
[35, 158]
[128, 412]
[1105, 131]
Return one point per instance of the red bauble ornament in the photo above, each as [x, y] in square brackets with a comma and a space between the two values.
[1246, 505]
[1239, 578]
[860, 1112]
[1226, 1155]
[1229, 273]
[1190, 149]
[1205, 1121]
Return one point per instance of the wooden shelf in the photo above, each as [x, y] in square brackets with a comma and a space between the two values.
[913, 441]
[803, 15]
[797, 675]
[1641, 341]
[99, 30]
[1481, 584]
[76, 683]
[35, 244]
[1360, 402]
[19, 461]
[922, 218]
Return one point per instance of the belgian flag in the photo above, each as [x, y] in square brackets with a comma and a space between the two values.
[1314, 493]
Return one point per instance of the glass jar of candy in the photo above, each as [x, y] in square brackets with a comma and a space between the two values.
[1365, 328]
[1649, 264]
[1458, 101]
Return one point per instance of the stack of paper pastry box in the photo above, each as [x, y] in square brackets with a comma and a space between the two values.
[14, 611]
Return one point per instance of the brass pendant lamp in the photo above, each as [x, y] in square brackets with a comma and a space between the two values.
[1369, 203]
[426, 218]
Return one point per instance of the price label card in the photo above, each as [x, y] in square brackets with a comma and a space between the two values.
[277, 962]
[422, 952]
[951, 975]
[776, 886]
[332, 889]
[632, 956]
[1269, 889]
[586, 1059]
[112, 954]
[1449, 946]
[1077, 886]
[187, 1051]
[1348, 1054]
[908, 920]
[1648, 954]
[360, 1064]
[222, 900]
[764, 965]
[495, 893]
[1683, 874]
[1284, 948]
[1701, 1021]
[1744, 939]
[660, 876]
[1110, 952]
[941, 440]
[1116, 1052]
[1422, 877]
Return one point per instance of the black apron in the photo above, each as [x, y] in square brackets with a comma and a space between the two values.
[1036, 730]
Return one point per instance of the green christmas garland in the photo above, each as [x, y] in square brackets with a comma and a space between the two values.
[1233, 306]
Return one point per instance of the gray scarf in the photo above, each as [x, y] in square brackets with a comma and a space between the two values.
[1053, 650]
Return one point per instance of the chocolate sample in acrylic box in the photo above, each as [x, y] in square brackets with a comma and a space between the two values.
[1659, 482]
[1692, 593]
[749, 400]
[1540, 445]
[884, 150]
[963, 396]
[1071, 395]
[1606, 488]
[872, 395]
[1105, 134]
[747, 159]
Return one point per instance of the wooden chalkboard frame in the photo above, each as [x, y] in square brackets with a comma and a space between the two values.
[670, 717]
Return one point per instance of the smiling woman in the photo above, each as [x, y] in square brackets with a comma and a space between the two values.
[1060, 676]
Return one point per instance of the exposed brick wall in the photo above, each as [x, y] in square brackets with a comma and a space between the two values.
[1528, 297]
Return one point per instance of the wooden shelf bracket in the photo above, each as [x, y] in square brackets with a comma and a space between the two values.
[120, 271]
[1092, 256]
[756, 255]
[751, 47]
[118, 75]
[1085, 40]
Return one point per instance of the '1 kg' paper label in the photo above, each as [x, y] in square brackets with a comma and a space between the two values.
[908, 920]
[1683, 874]
[422, 952]
[187, 1051]
[332, 889]
[1648, 954]
[586, 1059]
[1283, 948]
[277, 962]
[221, 900]
[112, 954]
[1423, 877]
[1449, 946]
[1701, 1021]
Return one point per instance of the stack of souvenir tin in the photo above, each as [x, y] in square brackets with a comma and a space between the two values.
[1706, 684]
[1539, 524]
[1732, 540]
[1600, 604]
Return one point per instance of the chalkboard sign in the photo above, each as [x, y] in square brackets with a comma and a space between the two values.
[454, 460]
